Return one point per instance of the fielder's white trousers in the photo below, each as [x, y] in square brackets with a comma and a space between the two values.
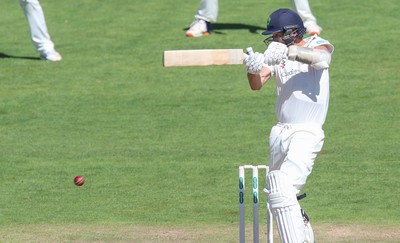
[37, 25]
[208, 10]
[293, 149]
[302, 7]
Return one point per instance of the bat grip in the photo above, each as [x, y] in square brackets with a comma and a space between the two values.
[249, 50]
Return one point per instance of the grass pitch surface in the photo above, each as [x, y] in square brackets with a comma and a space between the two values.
[159, 147]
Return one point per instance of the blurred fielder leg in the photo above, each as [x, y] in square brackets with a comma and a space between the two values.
[302, 7]
[38, 30]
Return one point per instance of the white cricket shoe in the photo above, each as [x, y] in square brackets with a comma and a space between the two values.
[198, 28]
[52, 56]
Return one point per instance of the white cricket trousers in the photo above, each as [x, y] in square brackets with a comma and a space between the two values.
[208, 10]
[302, 7]
[37, 25]
[293, 149]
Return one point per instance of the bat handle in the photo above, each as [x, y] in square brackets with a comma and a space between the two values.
[249, 50]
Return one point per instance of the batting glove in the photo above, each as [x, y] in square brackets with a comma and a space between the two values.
[275, 53]
[253, 63]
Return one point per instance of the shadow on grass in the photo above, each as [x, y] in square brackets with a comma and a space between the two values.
[218, 27]
[4, 56]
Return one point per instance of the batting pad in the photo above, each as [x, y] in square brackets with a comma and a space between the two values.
[285, 207]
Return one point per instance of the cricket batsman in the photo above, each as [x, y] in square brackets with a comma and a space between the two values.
[301, 71]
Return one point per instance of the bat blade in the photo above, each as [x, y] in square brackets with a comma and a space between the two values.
[204, 57]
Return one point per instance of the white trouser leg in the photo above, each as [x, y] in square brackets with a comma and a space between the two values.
[303, 9]
[285, 208]
[37, 25]
[293, 150]
[208, 11]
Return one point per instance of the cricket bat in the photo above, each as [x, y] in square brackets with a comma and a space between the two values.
[204, 57]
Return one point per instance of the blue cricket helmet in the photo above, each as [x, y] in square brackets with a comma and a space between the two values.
[282, 20]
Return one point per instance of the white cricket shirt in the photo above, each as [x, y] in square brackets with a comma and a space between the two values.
[302, 91]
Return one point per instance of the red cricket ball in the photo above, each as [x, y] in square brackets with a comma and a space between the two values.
[79, 180]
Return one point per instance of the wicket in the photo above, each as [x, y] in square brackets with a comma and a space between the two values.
[255, 183]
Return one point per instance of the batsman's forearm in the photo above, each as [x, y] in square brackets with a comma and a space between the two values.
[257, 81]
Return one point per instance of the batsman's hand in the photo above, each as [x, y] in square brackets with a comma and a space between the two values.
[275, 53]
[253, 62]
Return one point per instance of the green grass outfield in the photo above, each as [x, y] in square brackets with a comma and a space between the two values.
[159, 147]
